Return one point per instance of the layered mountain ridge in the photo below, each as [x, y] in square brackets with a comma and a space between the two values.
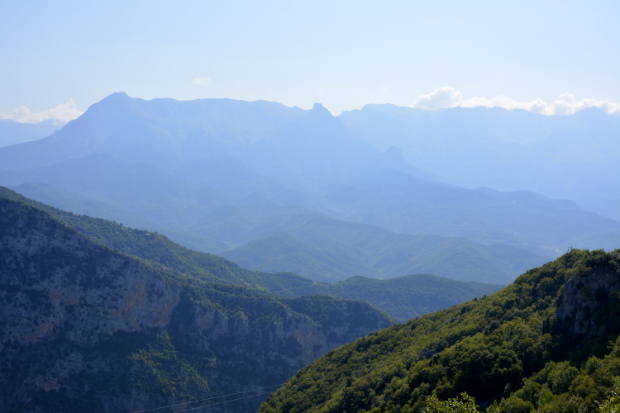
[568, 157]
[13, 132]
[101, 316]
[425, 293]
[172, 166]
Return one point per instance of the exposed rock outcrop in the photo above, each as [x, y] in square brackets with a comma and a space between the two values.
[585, 296]
[85, 328]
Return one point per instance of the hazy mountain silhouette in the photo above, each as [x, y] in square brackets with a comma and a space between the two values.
[402, 203]
[12, 132]
[158, 196]
[181, 165]
[325, 249]
[574, 157]
[283, 143]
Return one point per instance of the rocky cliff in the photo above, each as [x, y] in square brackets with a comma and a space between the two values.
[85, 328]
[584, 303]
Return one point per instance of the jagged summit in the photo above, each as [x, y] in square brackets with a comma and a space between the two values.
[319, 109]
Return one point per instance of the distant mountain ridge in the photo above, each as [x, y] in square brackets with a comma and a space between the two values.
[326, 249]
[13, 132]
[165, 133]
[174, 163]
[399, 202]
[567, 157]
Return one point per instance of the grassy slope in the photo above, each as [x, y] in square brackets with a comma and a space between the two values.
[484, 347]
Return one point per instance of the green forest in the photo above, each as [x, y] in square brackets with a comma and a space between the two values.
[549, 343]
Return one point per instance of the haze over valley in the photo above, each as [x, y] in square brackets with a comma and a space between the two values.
[202, 174]
[290, 207]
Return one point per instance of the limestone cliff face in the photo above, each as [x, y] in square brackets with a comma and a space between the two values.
[57, 282]
[83, 327]
[584, 298]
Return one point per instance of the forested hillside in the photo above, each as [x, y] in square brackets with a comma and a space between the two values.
[403, 297]
[86, 328]
[548, 342]
[160, 252]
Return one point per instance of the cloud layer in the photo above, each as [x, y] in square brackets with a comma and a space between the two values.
[64, 112]
[565, 104]
[201, 81]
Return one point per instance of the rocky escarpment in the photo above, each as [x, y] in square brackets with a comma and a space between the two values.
[55, 282]
[585, 301]
[85, 328]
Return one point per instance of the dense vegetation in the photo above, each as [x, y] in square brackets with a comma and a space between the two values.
[403, 297]
[86, 328]
[509, 350]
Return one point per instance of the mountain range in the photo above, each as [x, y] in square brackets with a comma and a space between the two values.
[224, 176]
[564, 157]
[13, 132]
[158, 254]
[97, 317]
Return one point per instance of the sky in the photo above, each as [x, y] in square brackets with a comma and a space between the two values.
[553, 57]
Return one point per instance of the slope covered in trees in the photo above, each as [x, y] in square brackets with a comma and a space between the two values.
[328, 249]
[403, 297]
[548, 342]
[86, 328]
[160, 252]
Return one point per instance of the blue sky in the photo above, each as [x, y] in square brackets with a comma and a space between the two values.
[343, 54]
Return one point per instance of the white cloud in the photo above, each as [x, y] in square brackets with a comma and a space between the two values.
[442, 97]
[201, 81]
[64, 112]
[565, 104]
